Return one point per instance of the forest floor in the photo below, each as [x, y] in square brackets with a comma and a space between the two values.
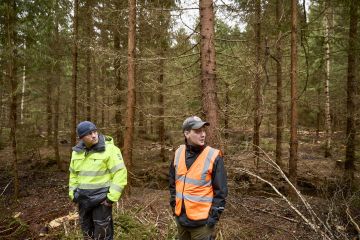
[253, 210]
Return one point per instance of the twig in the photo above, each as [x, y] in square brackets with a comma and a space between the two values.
[353, 221]
[141, 209]
[5, 188]
[274, 214]
[7, 229]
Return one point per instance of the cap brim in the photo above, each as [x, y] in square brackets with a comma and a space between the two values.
[200, 125]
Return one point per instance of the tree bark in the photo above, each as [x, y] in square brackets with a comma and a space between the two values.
[327, 22]
[257, 84]
[119, 89]
[131, 94]
[10, 22]
[2, 105]
[49, 120]
[279, 94]
[74, 73]
[351, 94]
[161, 123]
[210, 102]
[294, 116]
[143, 36]
[57, 80]
[89, 34]
[23, 93]
[162, 48]
[103, 81]
[227, 110]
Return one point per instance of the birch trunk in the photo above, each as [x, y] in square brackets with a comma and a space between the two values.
[327, 20]
[22, 96]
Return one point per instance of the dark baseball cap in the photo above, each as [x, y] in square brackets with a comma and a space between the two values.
[193, 122]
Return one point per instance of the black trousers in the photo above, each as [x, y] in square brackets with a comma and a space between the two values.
[96, 222]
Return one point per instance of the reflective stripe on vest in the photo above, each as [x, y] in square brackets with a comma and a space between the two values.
[193, 186]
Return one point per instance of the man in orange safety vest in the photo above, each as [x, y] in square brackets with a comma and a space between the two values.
[197, 183]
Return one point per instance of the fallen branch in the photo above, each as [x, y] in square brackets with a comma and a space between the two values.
[308, 207]
[5, 188]
[59, 221]
[273, 214]
[353, 222]
[307, 221]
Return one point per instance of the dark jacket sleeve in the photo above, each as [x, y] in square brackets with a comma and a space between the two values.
[219, 183]
[172, 185]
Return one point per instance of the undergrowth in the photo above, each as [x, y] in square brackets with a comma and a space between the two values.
[128, 225]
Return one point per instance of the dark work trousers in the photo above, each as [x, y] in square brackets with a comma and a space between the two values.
[204, 232]
[96, 222]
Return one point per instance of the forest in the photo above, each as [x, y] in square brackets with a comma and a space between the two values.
[277, 80]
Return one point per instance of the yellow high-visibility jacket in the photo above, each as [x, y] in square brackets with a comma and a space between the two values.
[97, 174]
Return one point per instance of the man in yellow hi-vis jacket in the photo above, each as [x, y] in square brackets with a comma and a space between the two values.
[97, 178]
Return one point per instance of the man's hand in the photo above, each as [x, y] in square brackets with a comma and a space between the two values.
[107, 203]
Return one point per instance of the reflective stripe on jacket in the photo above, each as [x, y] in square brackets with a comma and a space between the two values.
[98, 171]
[193, 185]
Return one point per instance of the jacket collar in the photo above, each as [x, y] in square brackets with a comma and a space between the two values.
[194, 148]
[99, 147]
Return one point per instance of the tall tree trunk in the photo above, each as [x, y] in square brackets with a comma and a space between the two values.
[327, 23]
[319, 113]
[10, 22]
[119, 89]
[49, 86]
[89, 27]
[279, 100]
[56, 123]
[102, 89]
[142, 124]
[351, 93]
[131, 94]
[74, 73]
[226, 112]
[294, 117]
[57, 80]
[23, 94]
[2, 105]
[164, 22]
[141, 120]
[257, 84]
[210, 102]
[97, 99]
[103, 76]
[161, 122]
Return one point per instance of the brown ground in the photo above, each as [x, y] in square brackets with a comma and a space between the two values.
[253, 210]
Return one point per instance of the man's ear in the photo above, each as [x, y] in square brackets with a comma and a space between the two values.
[186, 133]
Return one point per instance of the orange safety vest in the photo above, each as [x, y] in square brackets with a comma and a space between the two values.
[193, 186]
